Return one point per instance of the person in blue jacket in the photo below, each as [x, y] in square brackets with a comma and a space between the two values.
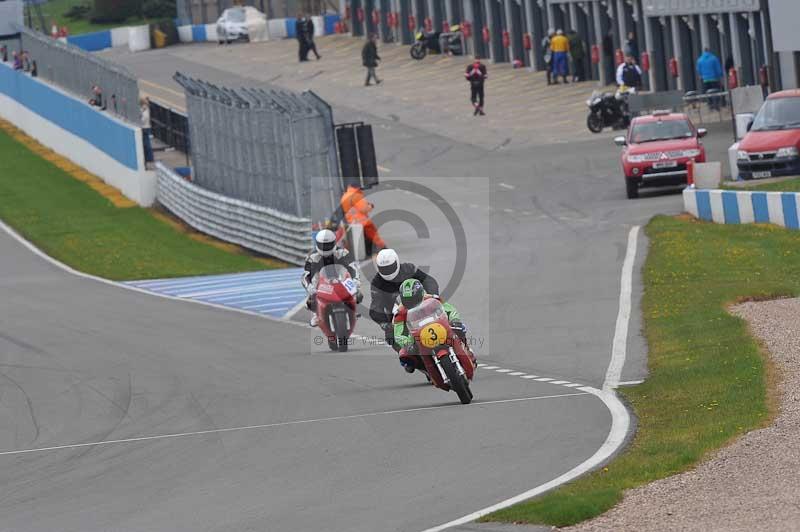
[709, 69]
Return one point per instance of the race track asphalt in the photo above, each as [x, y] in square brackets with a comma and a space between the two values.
[296, 438]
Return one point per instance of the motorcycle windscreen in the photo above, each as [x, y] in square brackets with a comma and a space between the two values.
[335, 272]
[429, 311]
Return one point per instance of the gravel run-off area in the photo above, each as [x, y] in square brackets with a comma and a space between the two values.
[751, 485]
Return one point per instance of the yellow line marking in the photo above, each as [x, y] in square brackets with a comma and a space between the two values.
[161, 87]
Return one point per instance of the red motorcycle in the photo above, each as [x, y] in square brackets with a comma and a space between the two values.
[440, 352]
[336, 305]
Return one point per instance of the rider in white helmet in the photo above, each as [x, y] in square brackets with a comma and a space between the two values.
[385, 287]
[325, 253]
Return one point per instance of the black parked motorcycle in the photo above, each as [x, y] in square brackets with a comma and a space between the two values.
[608, 110]
[434, 41]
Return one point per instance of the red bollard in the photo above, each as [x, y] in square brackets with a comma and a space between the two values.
[690, 172]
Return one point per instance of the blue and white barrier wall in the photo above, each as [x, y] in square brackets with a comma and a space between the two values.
[102, 144]
[743, 207]
[198, 33]
[277, 28]
[137, 38]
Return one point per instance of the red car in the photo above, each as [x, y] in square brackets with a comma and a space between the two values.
[771, 147]
[656, 150]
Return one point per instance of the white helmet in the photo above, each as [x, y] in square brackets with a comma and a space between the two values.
[388, 264]
[325, 242]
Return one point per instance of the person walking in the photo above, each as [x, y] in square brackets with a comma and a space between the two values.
[547, 53]
[300, 29]
[709, 69]
[476, 76]
[577, 52]
[311, 46]
[560, 46]
[370, 58]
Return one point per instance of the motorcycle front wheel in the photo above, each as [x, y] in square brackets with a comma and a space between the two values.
[458, 382]
[594, 123]
[418, 51]
[340, 330]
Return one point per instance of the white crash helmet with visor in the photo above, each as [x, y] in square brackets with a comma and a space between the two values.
[325, 242]
[388, 264]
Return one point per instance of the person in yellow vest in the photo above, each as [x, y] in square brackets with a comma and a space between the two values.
[356, 210]
[560, 47]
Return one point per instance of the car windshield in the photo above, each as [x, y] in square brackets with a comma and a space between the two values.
[778, 113]
[428, 311]
[661, 130]
[236, 15]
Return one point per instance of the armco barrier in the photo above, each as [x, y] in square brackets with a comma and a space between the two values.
[95, 140]
[261, 229]
[743, 207]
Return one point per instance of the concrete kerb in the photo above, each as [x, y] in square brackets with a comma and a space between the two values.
[743, 206]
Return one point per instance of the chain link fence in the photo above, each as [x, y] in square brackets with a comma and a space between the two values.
[76, 71]
[261, 145]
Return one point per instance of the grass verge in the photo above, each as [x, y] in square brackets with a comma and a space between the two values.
[708, 379]
[56, 10]
[790, 185]
[76, 225]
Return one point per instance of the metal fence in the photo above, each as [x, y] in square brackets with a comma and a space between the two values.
[252, 226]
[262, 145]
[76, 71]
[170, 127]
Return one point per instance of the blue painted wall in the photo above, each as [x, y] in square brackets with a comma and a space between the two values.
[330, 22]
[95, 127]
[92, 42]
[291, 27]
[198, 32]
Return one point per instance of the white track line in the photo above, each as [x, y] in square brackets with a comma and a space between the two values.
[281, 424]
[616, 437]
[629, 383]
[619, 414]
[620, 344]
[620, 418]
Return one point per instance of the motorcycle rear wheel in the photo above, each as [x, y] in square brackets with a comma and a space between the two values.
[418, 51]
[458, 382]
[594, 123]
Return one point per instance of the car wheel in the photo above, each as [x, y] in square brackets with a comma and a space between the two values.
[632, 188]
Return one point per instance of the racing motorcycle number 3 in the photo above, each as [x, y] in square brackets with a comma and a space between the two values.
[433, 335]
